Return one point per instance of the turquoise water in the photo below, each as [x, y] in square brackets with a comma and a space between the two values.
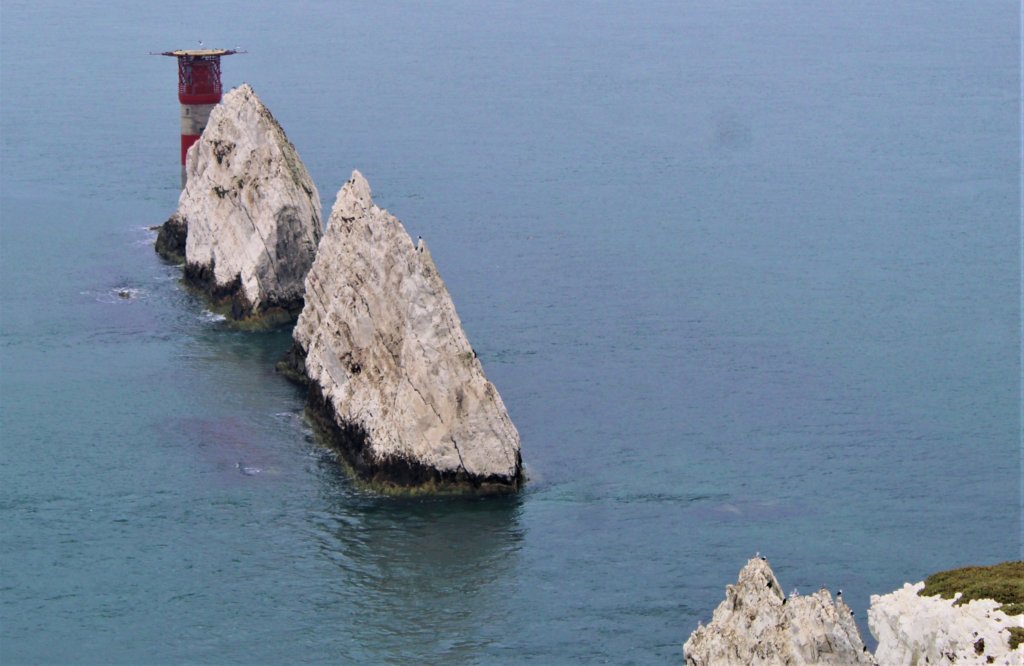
[747, 276]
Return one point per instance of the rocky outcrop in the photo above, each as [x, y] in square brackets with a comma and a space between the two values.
[758, 624]
[249, 214]
[392, 378]
[913, 630]
[170, 239]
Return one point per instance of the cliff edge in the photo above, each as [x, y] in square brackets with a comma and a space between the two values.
[916, 625]
[393, 381]
[248, 221]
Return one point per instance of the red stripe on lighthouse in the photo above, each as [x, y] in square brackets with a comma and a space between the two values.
[186, 142]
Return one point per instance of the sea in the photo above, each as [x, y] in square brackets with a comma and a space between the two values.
[746, 273]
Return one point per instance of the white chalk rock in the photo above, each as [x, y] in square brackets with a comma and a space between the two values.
[758, 624]
[390, 369]
[251, 210]
[913, 630]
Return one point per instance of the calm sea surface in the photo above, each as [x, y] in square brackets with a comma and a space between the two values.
[747, 275]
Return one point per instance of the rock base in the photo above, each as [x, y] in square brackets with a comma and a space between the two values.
[390, 475]
[230, 300]
[293, 366]
[170, 239]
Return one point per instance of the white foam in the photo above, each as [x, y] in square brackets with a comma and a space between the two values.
[116, 295]
[212, 317]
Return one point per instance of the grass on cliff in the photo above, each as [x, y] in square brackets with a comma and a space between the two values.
[1001, 582]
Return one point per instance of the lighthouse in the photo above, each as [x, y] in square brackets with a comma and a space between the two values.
[199, 90]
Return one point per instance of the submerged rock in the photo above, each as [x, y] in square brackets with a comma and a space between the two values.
[392, 378]
[249, 220]
[912, 629]
[758, 624]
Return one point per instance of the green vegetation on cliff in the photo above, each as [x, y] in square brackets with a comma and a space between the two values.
[1000, 582]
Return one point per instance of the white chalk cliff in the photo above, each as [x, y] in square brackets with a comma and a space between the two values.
[913, 630]
[390, 370]
[249, 211]
[758, 624]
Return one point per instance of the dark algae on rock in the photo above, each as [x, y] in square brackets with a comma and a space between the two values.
[392, 475]
[170, 239]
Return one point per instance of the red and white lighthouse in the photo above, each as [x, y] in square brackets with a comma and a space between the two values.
[199, 90]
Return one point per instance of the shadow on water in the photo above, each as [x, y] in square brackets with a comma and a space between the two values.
[422, 578]
[240, 451]
[261, 349]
